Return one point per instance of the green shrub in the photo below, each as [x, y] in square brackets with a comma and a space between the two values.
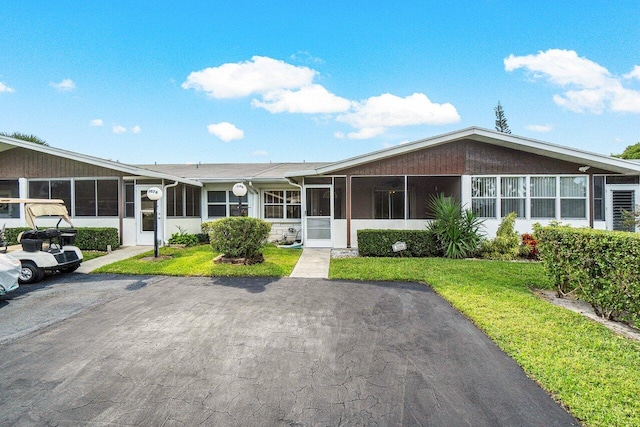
[456, 230]
[506, 245]
[207, 227]
[202, 237]
[377, 243]
[11, 234]
[240, 237]
[97, 238]
[183, 238]
[601, 267]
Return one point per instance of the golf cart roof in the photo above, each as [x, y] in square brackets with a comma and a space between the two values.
[34, 208]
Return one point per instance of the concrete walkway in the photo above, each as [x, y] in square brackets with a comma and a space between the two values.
[313, 263]
[117, 255]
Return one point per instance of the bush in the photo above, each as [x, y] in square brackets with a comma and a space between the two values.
[207, 227]
[97, 238]
[240, 237]
[456, 230]
[183, 238]
[531, 244]
[11, 234]
[202, 237]
[601, 267]
[506, 244]
[377, 243]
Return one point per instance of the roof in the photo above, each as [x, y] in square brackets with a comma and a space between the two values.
[489, 137]
[228, 172]
[7, 143]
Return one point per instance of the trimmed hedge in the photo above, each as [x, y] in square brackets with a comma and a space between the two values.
[88, 238]
[377, 243]
[601, 267]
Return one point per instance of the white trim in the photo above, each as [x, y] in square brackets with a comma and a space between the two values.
[490, 137]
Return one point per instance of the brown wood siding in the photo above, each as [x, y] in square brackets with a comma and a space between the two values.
[467, 157]
[23, 163]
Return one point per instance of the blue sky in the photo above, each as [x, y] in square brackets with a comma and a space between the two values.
[242, 81]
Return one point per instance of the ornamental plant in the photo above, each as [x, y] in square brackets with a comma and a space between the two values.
[240, 237]
[456, 230]
[506, 244]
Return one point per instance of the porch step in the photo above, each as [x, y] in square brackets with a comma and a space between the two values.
[313, 263]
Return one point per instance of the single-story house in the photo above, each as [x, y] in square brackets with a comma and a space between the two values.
[325, 204]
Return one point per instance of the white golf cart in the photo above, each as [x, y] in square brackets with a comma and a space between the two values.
[48, 250]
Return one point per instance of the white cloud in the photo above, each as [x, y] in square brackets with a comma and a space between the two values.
[306, 57]
[117, 129]
[136, 129]
[96, 122]
[634, 74]
[5, 88]
[308, 99]
[372, 116]
[588, 85]
[259, 153]
[539, 128]
[225, 131]
[260, 75]
[65, 85]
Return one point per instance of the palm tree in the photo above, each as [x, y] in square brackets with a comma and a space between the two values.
[25, 137]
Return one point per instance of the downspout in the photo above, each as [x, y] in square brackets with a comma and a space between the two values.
[295, 184]
[164, 216]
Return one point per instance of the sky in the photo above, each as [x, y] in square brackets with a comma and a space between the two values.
[291, 81]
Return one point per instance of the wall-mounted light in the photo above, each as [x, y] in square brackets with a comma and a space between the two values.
[583, 169]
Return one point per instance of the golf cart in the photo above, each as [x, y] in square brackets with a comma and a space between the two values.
[47, 250]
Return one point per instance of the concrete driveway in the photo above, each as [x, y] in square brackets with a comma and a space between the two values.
[247, 352]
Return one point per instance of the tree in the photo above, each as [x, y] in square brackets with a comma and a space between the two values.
[501, 120]
[631, 152]
[25, 137]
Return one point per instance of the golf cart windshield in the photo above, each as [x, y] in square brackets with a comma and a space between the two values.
[34, 208]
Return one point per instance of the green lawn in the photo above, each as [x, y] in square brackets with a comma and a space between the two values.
[198, 261]
[87, 255]
[587, 368]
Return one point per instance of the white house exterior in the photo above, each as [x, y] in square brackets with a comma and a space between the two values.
[325, 204]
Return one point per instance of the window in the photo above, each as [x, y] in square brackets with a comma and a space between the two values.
[129, 200]
[573, 197]
[598, 198]
[216, 204]
[389, 204]
[96, 197]
[543, 197]
[513, 191]
[183, 201]
[9, 188]
[51, 189]
[282, 204]
[483, 196]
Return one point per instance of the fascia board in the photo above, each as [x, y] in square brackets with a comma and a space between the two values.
[96, 161]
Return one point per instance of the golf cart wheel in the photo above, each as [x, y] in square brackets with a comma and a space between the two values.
[30, 273]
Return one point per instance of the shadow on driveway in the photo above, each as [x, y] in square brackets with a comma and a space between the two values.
[202, 351]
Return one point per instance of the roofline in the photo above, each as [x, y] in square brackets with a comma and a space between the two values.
[488, 136]
[96, 161]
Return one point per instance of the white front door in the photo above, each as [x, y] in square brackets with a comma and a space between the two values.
[318, 216]
[620, 198]
[144, 217]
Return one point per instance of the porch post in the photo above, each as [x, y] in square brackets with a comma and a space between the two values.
[590, 198]
[348, 211]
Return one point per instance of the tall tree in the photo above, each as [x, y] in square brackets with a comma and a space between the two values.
[501, 120]
[25, 137]
[631, 152]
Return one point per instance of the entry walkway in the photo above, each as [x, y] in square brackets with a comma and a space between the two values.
[117, 255]
[313, 263]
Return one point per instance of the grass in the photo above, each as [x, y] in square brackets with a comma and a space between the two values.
[87, 255]
[590, 370]
[198, 261]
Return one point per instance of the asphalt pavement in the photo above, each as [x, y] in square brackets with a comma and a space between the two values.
[226, 352]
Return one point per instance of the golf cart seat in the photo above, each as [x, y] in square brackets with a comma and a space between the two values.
[49, 233]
